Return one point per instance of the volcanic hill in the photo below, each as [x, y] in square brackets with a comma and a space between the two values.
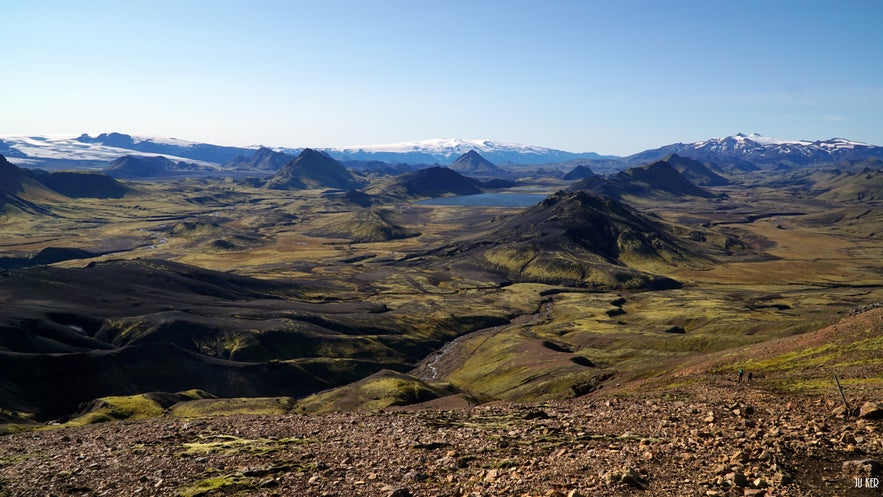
[312, 169]
[366, 226]
[264, 159]
[31, 190]
[473, 163]
[576, 238]
[579, 172]
[430, 182]
[659, 178]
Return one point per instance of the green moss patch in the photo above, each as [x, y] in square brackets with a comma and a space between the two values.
[227, 444]
[227, 407]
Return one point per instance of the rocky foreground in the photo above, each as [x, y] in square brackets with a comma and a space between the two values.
[725, 440]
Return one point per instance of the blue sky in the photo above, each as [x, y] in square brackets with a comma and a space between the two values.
[614, 77]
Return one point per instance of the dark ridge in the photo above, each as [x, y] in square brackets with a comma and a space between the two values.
[84, 185]
[434, 181]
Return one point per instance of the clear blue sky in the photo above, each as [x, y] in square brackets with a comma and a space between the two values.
[613, 77]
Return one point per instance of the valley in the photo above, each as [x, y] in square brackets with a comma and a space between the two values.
[198, 297]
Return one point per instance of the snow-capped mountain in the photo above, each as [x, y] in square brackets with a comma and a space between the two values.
[740, 151]
[763, 151]
[169, 147]
[92, 152]
[69, 151]
[446, 150]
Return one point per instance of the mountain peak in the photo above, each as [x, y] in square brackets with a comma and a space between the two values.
[472, 162]
[312, 169]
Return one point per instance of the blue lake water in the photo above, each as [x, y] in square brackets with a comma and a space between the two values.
[488, 200]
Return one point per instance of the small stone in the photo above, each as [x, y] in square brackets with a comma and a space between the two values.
[631, 478]
[737, 478]
[861, 468]
[740, 457]
[782, 478]
[537, 414]
[871, 410]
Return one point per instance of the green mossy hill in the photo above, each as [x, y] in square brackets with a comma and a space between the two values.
[859, 186]
[577, 238]
[228, 407]
[214, 237]
[378, 391]
[147, 405]
[660, 178]
[427, 183]
[312, 169]
[365, 226]
[803, 364]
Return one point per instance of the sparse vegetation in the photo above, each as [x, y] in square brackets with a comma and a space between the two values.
[383, 286]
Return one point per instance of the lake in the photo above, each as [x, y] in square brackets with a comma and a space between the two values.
[488, 200]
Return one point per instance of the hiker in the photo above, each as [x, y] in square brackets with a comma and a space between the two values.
[750, 375]
[740, 373]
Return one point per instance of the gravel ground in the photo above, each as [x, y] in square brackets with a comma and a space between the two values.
[713, 440]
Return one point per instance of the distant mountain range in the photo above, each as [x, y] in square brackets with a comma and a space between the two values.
[654, 179]
[737, 152]
[746, 152]
[446, 150]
